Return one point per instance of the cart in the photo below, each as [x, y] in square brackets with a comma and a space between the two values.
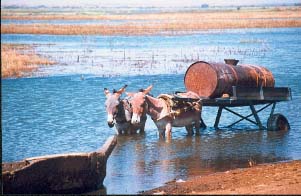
[249, 97]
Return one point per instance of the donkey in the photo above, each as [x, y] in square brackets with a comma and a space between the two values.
[161, 114]
[119, 113]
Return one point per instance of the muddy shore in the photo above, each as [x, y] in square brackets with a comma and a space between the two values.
[277, 178]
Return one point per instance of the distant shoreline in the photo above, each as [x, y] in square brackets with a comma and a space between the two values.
[153, 23]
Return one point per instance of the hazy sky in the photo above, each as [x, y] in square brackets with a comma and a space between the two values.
[165, 3]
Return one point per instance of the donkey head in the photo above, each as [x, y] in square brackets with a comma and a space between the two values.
[138, 104]
[112, 103]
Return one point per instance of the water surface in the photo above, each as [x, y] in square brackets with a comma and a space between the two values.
[60, 109]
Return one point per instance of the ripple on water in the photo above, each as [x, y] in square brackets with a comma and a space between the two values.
[62, 113]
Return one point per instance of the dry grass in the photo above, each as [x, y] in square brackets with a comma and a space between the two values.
[184, 16]
[170, 23]
[145, 29]
[19, 60]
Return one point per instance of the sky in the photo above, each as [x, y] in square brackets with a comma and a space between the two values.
[155, 3]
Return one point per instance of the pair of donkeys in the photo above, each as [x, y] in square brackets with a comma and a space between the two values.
[130, 114]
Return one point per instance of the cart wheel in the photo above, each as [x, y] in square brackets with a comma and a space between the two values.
[277, 122]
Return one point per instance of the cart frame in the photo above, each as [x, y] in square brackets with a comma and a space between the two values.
[248, 97]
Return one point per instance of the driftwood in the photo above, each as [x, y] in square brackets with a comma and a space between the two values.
[61, 173]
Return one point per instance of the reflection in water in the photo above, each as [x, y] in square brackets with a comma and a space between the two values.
[69, 111]
[143, 162]
[101, 191]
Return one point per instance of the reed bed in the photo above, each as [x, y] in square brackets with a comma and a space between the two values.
[199, 15]
[173, 27]
[19, 60]
[155, 23]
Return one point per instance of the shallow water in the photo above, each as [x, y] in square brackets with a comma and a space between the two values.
[162, 54]
[71, 22]
[61, 108]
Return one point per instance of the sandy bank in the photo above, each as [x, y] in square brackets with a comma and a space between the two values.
[278, 178]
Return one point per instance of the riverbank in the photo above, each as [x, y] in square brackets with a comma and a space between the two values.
[152, 23]
[18, 60]
[277, 178]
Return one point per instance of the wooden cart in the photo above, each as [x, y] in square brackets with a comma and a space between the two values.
[249, 97]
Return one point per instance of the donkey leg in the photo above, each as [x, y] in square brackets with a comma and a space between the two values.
[189, 129]
[134, 130]
[141, 129]
[197, 126]
[118, 132]
[168, 131]
[131, 130]
[161, 133]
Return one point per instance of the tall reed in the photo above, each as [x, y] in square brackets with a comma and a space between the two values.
[19, 60]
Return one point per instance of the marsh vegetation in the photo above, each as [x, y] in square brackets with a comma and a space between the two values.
[171, 23]
[20, 60]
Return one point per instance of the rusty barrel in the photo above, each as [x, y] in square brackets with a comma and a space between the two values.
[209, 79]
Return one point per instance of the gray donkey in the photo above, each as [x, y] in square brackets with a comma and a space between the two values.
[119, 113]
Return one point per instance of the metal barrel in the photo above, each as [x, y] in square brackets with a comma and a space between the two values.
[209, 79]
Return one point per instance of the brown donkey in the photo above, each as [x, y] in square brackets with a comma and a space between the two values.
[161, 113]
[119, 113]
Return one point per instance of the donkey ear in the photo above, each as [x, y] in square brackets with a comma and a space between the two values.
[106, 91]
[130, 94]
[148, 89]
[120, 91]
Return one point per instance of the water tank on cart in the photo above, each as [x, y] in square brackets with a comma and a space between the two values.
[209, 79]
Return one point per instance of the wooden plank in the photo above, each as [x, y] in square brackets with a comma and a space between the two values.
[261, 93]
[279, 93]
[247, 93]
[245, 96]
[233, 102]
